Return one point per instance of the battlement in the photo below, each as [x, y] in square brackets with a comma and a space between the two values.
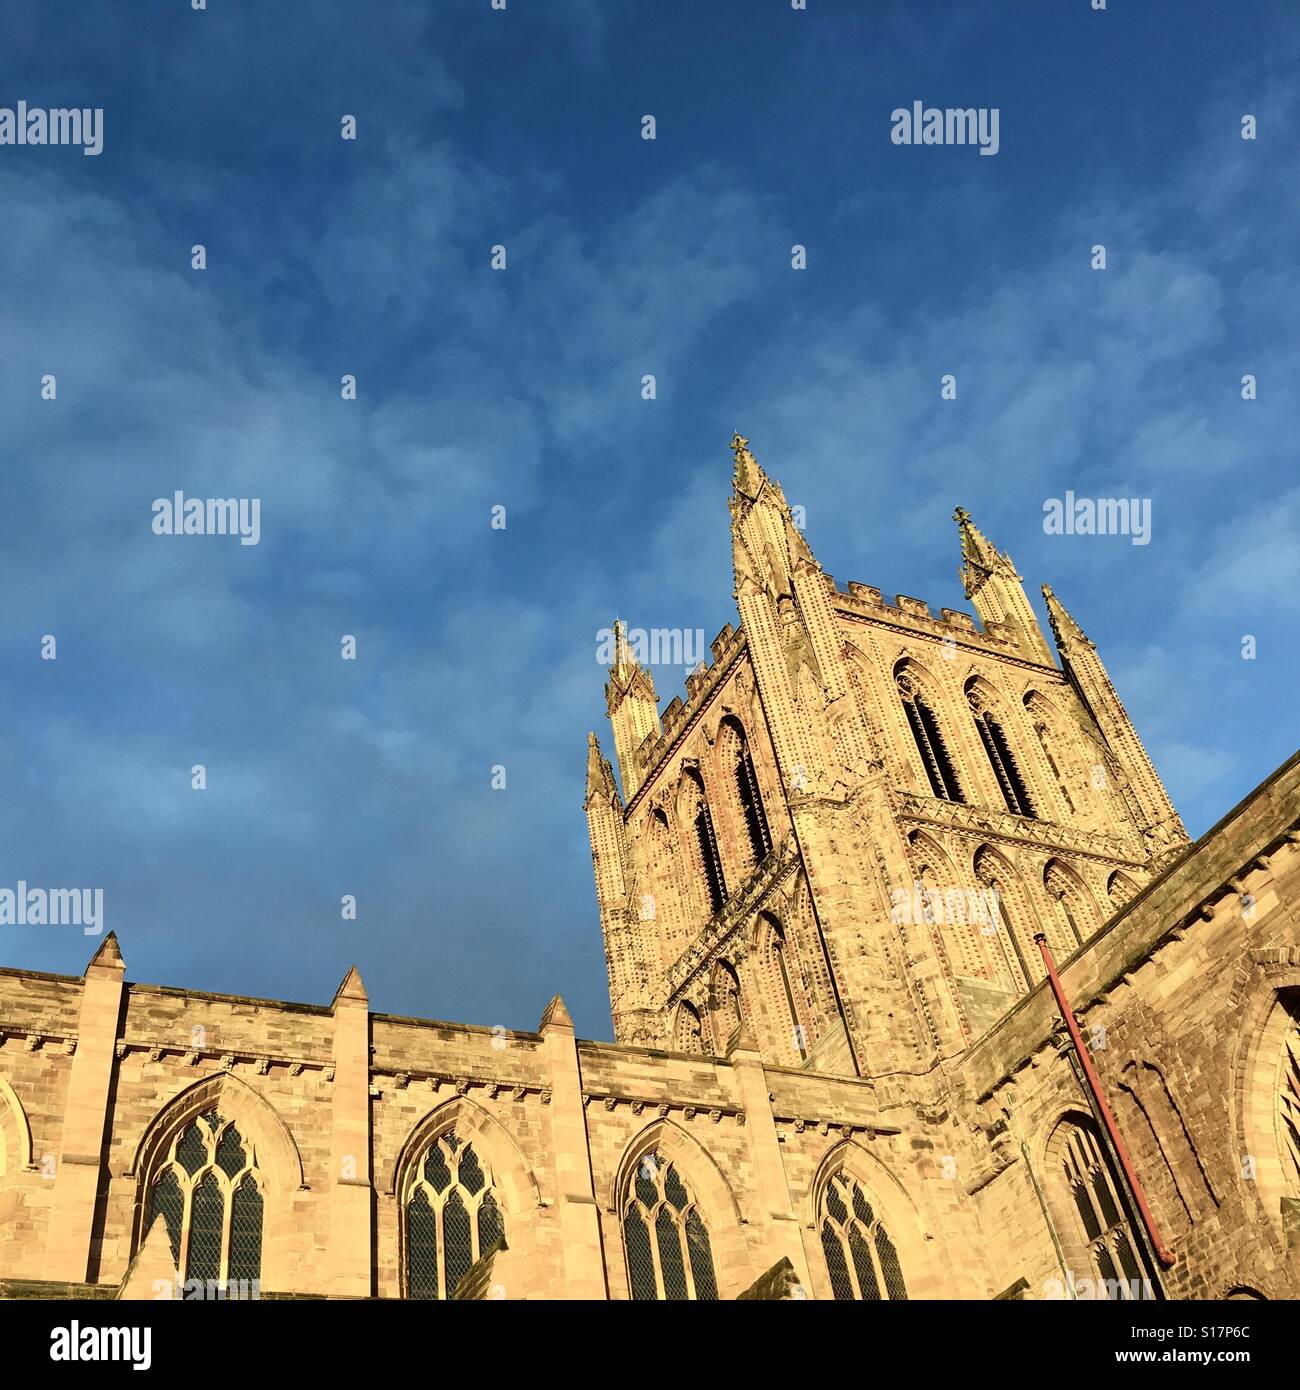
[857, 600]
[679, 714]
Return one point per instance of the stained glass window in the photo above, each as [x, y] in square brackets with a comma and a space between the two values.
[208, 1193]
[675, 1263]
[860, 1257]
[453, 1214]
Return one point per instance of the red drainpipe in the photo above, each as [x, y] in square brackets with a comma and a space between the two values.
[1099, 1099]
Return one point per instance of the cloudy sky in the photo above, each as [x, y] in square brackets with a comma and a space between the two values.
[523, 388]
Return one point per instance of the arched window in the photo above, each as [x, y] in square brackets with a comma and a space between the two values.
[669, 1255]
[1288, 1092]
[1010, 911]
[929, 741]
[208, 1192]
[1120, 889]
[1075, 910]
[689, 1034]
[453, 1214]
[781, 959]
[706, 841]
[860, 1256]
[1000, 757]
[724, 1004]
[663, 904]
[1089, 1201]
[738, 756]
[1040, 716]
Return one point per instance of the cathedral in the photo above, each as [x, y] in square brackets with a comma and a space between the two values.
[919, 989]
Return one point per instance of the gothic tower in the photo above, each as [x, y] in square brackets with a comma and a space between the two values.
[849, 833]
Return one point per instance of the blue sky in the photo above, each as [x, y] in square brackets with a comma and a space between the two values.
[523, 388]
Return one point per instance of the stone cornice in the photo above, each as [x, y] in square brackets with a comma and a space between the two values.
[732, 915]
[984, 822]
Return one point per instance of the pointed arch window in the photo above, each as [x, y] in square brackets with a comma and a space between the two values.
[689, 1033]
[1072, 903]
[1009, 908]
[1099, 1213]
[724, 1003]
[777, 947]
[669, 1254]
[1120, 889]
[1038, 717]
[751, 802]
[209, 1194]
[998, 750]
[929, 740]
[453, 1215]
[706, 842]
[860, 1257]
[1288, 1092]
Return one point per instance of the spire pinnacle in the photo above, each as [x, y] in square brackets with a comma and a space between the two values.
[627, 672]
[980, 557]
[748, 478]
[1065, 630]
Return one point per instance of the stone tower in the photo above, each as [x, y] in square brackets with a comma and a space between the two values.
[849, 833]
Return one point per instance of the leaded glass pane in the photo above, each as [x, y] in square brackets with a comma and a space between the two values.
[246, 1231]
[230, 1153]
[670, 1256]
[436, 1171]
[640, 1262]
[457, 1241]
[701, 1253]
[835, 1201]
[212, 1119]
[674, 1190]
[1127, 1259]
[646, 1191]
[1091, 1226]
[450, 1139]
[833, 1248]
[862, 1265]
[1105, 1265]
[1110, 1216]
[889, 1265]
[168, 1201]
[861, 1207]
[421, 1248]
[207, 1224]
[192, 1151]
[490, 1223]
[470, 1171]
